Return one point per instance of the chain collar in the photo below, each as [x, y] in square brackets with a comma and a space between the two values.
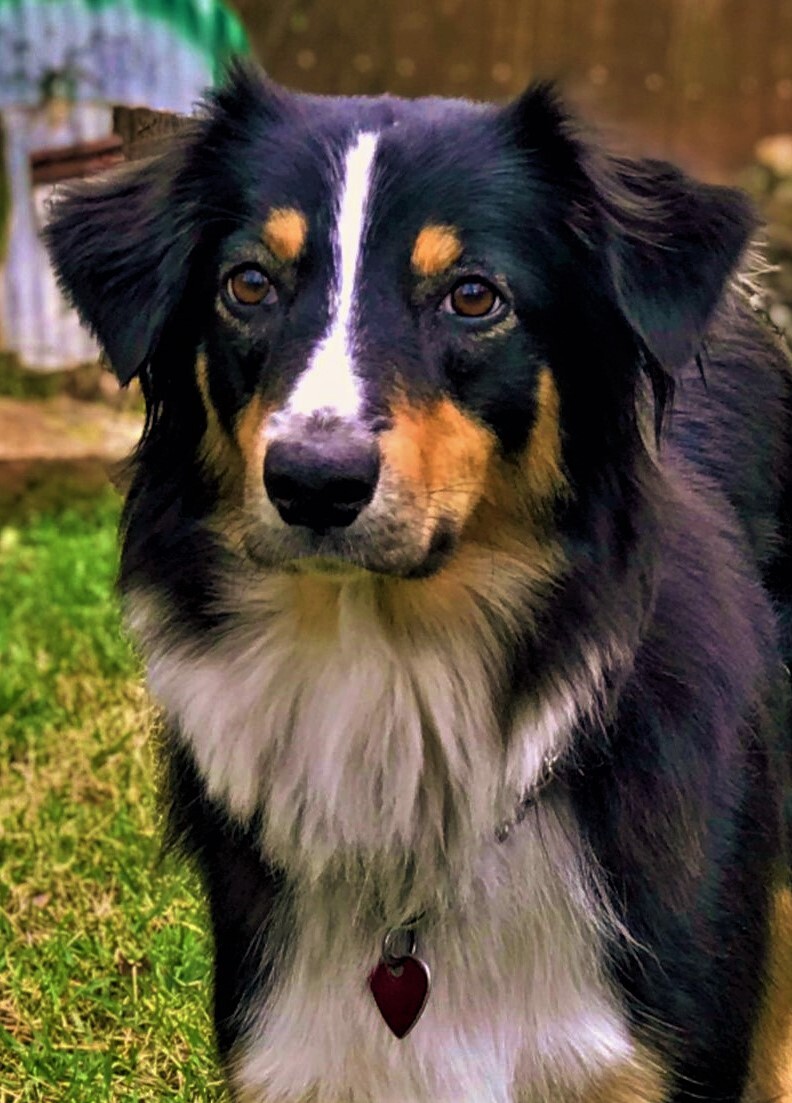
[530, 797]
[400, 940]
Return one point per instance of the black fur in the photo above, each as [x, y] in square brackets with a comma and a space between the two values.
[622, 278]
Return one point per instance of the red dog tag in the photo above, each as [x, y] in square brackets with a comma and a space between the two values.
[400, 990]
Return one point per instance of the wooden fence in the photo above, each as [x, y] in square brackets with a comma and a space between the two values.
[699, 80]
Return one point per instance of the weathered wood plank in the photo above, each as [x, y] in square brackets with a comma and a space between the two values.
[144, 133]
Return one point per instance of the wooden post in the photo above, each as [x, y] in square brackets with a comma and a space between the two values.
[144, 133]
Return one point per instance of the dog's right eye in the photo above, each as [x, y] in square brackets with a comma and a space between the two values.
[250, 286]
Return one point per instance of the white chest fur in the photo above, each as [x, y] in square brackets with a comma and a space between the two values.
[519, 1011]
[354, 734]
[374, 752]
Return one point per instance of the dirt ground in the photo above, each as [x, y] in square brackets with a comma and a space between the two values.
[58, 449]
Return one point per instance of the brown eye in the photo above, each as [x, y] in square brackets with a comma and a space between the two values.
[250, 286]
[472, 299]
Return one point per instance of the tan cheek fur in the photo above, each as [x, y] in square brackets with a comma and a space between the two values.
[542, 466]
[442, 455]
[436, 249]
[771, 1061]
[218, 453]
[234, 459]
[249, 431]
[450, 463]
[517, 506]
[285, 232]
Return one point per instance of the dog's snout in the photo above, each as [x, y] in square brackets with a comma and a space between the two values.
[321, 481]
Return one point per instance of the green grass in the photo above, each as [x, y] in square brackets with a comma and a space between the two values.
[104, 958]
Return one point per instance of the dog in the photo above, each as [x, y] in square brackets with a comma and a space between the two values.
[459, 550]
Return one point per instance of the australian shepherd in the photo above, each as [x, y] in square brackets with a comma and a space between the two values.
[459, 551]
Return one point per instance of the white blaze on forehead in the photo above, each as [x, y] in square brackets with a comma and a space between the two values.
[329, 383]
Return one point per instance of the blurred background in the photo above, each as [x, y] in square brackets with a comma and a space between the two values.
[103, 958]
[705, 82]
[698, 80]
[86, 83]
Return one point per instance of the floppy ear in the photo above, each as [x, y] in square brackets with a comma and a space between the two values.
[671, 243]
[120, 246]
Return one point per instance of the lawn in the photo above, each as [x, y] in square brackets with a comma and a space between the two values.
[104, 960]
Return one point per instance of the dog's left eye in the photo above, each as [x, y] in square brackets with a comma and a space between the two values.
[250, 286]
[472, 298]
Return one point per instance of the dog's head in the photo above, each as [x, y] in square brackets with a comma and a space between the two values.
[372, 329]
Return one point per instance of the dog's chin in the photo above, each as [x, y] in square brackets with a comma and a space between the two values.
[327, 567]
[338, 554]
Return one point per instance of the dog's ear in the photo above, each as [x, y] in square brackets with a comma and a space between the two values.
[120, 246]
[671, 243]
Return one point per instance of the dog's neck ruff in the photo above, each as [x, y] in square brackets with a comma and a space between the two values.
[365, 747]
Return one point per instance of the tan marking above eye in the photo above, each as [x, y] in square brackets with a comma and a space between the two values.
[285, 233]
[436, 248]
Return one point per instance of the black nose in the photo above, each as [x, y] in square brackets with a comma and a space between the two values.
[323, 481]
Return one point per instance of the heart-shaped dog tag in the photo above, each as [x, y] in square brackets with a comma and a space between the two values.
[400, 989]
